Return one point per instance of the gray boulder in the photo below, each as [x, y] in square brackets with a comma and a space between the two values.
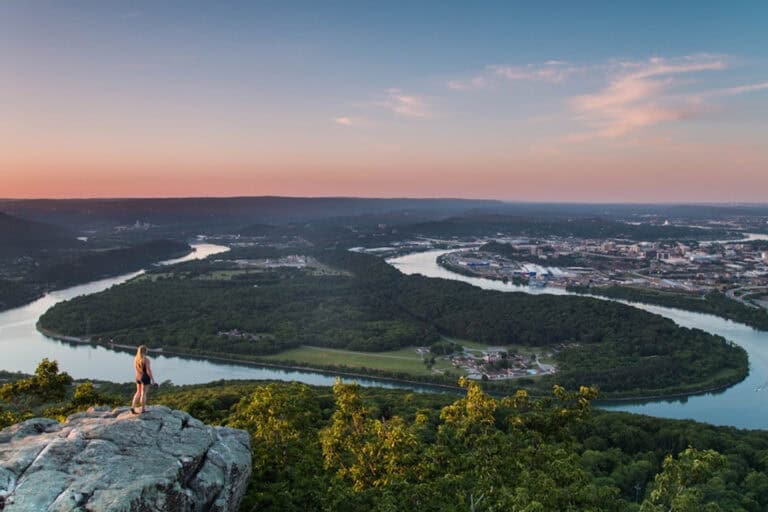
[112, 460]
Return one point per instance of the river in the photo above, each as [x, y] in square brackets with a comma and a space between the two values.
[22, 346]
[744, 405]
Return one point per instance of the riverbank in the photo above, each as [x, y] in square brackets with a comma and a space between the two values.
[253, 361]
[648, 355]
[68, 274]
[715, 303]
[740, 405]
[447, 265]
[19, 298]
[495, 388]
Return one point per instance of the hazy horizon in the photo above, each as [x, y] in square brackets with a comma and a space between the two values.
[395, 198]
[626, 103]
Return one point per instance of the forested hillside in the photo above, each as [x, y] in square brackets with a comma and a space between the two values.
[22, 237]
[362, 303]
[87, 266]
[27, 277]
[484, 224]
[353, 449]
[713, 303]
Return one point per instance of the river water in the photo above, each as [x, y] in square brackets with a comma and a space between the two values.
[22, 346]
[744, 405]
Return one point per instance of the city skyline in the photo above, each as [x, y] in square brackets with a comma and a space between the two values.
[605, 103]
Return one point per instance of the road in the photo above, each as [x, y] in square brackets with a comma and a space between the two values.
[731, 294]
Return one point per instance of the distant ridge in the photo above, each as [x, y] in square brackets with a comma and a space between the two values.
[21, 236]
[247, 210]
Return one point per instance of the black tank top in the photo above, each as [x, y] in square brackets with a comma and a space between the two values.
[144, 375]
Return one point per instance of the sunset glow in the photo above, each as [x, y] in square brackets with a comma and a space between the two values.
[119, 99]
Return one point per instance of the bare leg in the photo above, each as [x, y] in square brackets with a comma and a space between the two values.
[136, 396]
[144, 392]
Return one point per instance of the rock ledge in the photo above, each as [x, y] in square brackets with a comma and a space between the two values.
[112, 460]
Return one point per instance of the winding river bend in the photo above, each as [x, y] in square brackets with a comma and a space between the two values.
[744, 405]
[22, 347]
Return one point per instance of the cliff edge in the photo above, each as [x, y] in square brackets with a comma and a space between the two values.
[112, 460]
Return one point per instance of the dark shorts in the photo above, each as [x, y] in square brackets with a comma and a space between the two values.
[144, 380]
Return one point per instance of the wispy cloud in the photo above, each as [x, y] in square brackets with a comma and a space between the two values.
[551, 71]
[349, 121]
[406, 105]
[478, 82]
[637, 96]
[733, 91]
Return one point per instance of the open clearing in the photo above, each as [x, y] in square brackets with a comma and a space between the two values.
[403, 360]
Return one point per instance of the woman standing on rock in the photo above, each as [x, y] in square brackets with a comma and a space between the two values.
[144, 378]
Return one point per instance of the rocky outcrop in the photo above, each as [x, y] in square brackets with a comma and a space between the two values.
[112, 460]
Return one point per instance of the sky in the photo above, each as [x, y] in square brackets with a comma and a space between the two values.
[538, 101]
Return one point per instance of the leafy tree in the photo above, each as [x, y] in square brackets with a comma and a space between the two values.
[365, 451]
[85, 395]
[678, 487]
[47, 384]
[283, 421]
[8, 418]
[368, 305]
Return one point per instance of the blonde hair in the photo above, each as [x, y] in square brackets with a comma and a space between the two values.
[141, 353]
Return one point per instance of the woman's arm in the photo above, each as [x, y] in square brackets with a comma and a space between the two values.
[149, 370]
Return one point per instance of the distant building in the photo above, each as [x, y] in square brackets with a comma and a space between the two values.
[703, 258]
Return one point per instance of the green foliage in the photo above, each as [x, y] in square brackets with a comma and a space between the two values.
[353, 448]
[477, 225]
[615, 347]
[85, 395]
[16, 293]
[373, 307]
[53, 265]
[48, 393]
[293, 308]
[555, 460]
[632, 449]
[283, 421]
[46, 385]
[444, 347]
[8, 418]
[471, 456]
[713, 303]
[676, 488]
[80, 267]
[364, 451]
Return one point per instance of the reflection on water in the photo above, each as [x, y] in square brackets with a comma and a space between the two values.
[23, 346]
[743, 405]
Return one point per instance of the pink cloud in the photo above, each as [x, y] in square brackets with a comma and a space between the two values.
[551, 71]
[406, 105]
[478, 82]
[348, 121]
[741, 89]
[636, 97]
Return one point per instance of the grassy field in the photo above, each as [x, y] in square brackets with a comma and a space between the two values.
[403, 360]
[472, 345]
